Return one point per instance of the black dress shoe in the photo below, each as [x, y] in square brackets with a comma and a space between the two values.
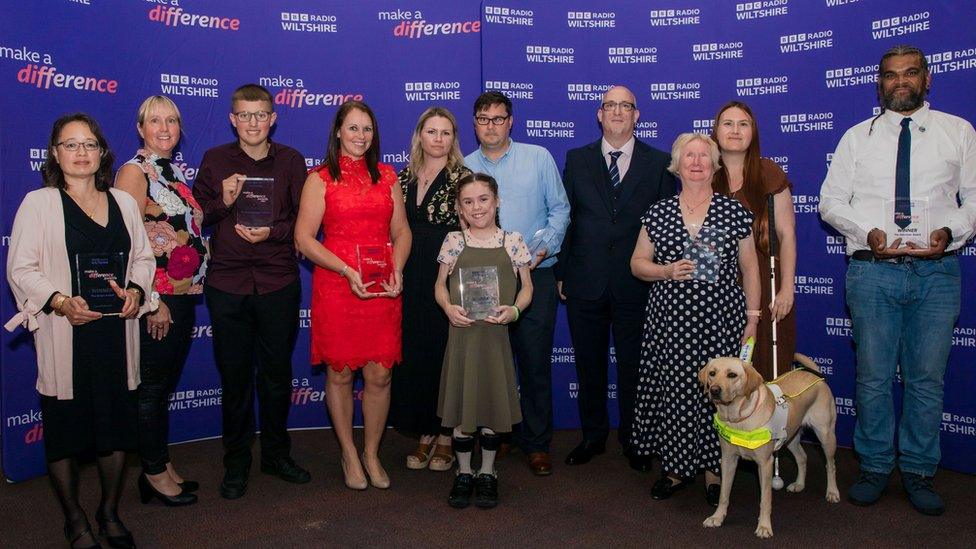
[640, 463]
[286, 469]
[189, 485]
[121, 541]
[73, 537]
[665, 487]
[486, 491]
[460, 496]
[147, 492]
[234, 484]
[585, 452]
[712, 494]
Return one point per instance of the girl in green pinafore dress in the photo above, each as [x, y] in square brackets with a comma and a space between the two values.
[478, 394]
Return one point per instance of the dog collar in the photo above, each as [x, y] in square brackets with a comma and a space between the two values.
[747, 439]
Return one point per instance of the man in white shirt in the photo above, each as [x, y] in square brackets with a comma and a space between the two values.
[904, 294]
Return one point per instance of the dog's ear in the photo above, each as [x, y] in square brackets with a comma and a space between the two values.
[703, 374]
[753, 379]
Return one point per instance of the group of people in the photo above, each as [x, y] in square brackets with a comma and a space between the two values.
[668, 254]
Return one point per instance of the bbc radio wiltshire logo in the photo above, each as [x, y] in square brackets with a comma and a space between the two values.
[498, 15]
[632, 55]
[411, 24]
[41, 73]
[550, 129]
[586, 92]
[309, 22]
[290, 91]
[512, 90]
[432, 91]
[549, 54]
[675, 17]
[591, 20]
[806, 41]
[188, 86]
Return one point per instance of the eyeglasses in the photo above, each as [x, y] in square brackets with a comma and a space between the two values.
[244, 116]
[74, 146]
[625, 106]
[496, 121]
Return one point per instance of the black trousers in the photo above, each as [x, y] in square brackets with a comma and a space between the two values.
[160, 366]
[253, 338]
[590, 325]
[531, 339]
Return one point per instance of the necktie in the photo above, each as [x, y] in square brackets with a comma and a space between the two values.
[614, 170]
[903, 191]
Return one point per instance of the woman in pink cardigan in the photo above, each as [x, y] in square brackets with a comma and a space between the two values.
[67, 238]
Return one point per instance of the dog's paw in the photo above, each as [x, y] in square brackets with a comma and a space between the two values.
[764, 531]
[795, 487]
[713, 521]
[833, 496]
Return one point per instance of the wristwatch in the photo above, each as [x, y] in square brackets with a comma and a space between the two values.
[153, 301]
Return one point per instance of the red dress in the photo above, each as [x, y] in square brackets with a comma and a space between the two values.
[347, 330]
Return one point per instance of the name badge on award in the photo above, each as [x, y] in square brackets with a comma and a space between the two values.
[479, 291]
[907, 219]
[375, 265]
[94, 272]
[705, 249]
[254, 205]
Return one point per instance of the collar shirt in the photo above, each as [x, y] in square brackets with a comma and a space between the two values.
[531, 191]
[237, 266]
[862, 175]
[623, 161]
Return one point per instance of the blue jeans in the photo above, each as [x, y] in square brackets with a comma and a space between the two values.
[903, 314]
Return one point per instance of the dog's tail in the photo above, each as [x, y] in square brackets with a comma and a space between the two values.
[806, 362]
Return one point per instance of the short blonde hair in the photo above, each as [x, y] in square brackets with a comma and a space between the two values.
[151, 102]
[686, 138]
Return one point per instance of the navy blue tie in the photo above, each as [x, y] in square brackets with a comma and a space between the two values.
[903, 170]
[614, 169]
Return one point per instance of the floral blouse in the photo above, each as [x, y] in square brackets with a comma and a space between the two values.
[173, 221]
[441, 209]
[513, 242]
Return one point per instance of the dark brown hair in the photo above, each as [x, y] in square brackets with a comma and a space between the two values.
[51, 170]
[489, 98]
[478, 177]
[372, 155]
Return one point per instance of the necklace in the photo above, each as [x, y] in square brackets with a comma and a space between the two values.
[691, 209]
[90, 214]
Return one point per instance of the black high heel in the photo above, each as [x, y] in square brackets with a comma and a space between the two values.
[147, 492]
[189, 485]
[122, 541]
[72, 539]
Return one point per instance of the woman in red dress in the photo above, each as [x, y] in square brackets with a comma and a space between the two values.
[355, 324]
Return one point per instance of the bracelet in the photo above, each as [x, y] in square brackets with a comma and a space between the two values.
[754, 312]
[342, 273]
[518, 312]
[58, 303]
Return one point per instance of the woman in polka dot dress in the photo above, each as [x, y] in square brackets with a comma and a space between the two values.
[697, 310]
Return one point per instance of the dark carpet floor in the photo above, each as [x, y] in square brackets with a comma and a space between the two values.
[600, 504]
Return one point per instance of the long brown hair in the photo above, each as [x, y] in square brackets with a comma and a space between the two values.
[753, 191]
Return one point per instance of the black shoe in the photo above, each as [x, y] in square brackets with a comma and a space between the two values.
[585, 452]
[73, 538]
[147, 492]
[121, 541]
[665, 487]
[286, 469]
[460, 496]
[234, 484]
[486, 491]
[641, 464]
[190, 485]
[712, 494]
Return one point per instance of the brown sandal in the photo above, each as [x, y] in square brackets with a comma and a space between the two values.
[420, 457]
[442, 459]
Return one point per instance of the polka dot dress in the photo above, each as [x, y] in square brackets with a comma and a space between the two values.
[687, 324]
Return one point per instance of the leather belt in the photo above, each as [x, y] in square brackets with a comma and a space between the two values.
[868, 255]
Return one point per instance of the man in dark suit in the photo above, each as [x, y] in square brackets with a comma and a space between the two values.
[610, 184]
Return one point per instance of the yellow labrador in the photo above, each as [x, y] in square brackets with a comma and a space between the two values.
[745, 404]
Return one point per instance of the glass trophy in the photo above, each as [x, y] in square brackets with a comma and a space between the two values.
[254, 205]
[94, 271]
[538, 239]
[479, 291]
[705, 250]
[375, 265]
[910, 225]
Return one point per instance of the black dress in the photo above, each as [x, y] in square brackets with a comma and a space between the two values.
[416, 381]
[102, 415]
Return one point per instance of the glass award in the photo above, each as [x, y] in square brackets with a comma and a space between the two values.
[538, 239]
[94, 271]
[705, 249]
[375, 265]
[254, 205]
[907, 219]
[479, 291]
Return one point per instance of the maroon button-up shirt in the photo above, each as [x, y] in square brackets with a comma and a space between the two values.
[237, 266]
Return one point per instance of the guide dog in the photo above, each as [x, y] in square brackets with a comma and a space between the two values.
[747, 405]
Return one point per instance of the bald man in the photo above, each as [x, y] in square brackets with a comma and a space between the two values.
[610, 184]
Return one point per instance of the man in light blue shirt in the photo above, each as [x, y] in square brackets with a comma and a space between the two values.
[533, 203]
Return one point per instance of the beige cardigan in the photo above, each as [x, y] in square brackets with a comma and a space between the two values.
[37, 266]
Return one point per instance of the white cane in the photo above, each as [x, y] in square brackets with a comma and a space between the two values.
[773, 249]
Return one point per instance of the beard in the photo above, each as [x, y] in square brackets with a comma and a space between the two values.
[909, 102]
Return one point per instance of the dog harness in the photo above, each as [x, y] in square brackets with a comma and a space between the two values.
[775, 429]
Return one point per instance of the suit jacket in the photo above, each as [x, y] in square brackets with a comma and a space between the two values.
[37, 266]
[600, 240]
